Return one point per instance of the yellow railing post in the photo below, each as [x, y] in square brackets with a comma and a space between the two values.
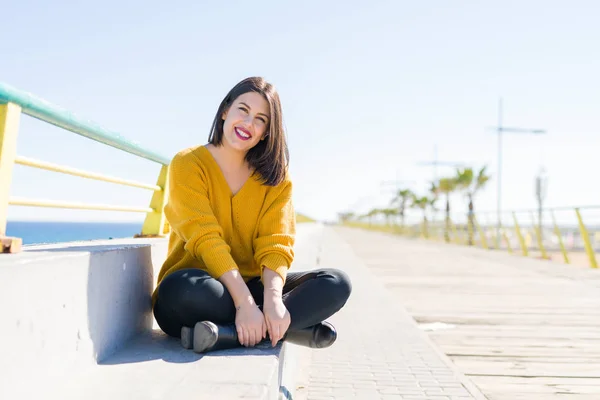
[559, 237]
[505, 236]
[586, 240]
[481, 233]
[520, 236]
[538, 235]
[496, 242]
[155, 223]
[9, 128]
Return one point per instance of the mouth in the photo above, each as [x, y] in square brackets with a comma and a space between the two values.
[242, 133]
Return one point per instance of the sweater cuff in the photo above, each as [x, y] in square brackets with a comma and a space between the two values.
[219, 263]
[277, 263]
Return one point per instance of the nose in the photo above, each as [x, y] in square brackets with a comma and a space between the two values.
[247, 119]
[247, 122]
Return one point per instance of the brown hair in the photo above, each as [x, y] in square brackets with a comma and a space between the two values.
[270, 157]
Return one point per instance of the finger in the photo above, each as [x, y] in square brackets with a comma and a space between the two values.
[269, 328]
[258, 334]
[286, 326]
[252, 338]
[275, 337]
[284, 330]
[240, 332]
[264, 329]
[246, 336]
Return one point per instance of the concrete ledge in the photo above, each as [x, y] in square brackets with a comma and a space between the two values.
[77, 302]
[77, 324]
[155, 366]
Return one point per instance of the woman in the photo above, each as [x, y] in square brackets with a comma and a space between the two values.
[225, 281]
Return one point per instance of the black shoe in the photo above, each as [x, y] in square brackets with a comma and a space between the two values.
[318, 336]
[207, 336]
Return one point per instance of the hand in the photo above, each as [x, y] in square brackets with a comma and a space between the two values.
[250, 325]
[277, 317]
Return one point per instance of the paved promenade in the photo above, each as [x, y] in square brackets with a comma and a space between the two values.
[517, 328]
[380, 352]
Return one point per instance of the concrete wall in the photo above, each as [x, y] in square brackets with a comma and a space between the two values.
[75, 303]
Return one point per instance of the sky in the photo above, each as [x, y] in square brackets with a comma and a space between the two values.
[369, 90]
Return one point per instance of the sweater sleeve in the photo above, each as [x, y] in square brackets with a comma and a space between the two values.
[273, 247]
[190, 215]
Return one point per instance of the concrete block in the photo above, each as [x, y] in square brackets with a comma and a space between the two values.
[76, 302]
[77, 324]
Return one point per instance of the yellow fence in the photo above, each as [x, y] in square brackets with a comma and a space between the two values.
[13, 103]
[520, 233]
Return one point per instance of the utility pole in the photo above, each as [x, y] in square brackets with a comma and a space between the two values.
[435, 163]
[499, 130]
[398, 183]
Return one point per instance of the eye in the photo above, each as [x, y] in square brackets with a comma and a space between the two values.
[244, 110]
[264, 121]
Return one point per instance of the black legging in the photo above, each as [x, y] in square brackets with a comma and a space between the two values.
[192, 295]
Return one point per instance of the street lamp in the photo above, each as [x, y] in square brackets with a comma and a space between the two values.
[501, 129]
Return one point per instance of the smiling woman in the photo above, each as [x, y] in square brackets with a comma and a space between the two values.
[225, 281]
[250, 121]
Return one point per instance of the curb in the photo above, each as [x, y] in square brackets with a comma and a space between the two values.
[293, 372]
[464, 380]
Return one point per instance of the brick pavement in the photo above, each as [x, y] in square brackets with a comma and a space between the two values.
[380, 352]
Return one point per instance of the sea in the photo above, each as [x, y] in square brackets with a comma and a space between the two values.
[57, 232]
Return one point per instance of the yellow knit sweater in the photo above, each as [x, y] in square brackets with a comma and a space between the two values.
[216, 231]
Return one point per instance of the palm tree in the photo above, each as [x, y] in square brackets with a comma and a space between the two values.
[402, 199]
[388, 213]
[434, 190]
[372, 213]
[470, 185]
[422, 203]
[446, 186]
[345, 216]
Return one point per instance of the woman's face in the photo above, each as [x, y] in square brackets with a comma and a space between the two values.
[246, 121]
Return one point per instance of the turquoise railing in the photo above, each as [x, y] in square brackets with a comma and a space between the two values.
[13, 103]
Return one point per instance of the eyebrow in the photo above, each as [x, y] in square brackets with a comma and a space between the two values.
[250, 108]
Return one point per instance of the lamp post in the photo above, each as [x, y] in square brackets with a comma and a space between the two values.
[541, 188]
[500, 130]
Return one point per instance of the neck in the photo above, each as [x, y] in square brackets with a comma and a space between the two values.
[229, 157]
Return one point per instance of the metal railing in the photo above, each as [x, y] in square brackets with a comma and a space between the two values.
[564, 236]
[13, 103]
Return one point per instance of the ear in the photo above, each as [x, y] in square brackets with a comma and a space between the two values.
[225, 112]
